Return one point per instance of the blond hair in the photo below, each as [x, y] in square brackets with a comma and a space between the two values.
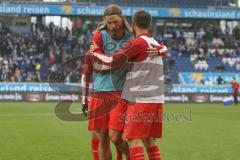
[113, 10]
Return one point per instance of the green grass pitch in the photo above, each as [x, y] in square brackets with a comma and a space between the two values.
[31, 131]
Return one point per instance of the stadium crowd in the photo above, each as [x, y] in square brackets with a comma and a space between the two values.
[30, 57]
[204, 43]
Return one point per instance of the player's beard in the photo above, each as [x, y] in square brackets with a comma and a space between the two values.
[116, 33]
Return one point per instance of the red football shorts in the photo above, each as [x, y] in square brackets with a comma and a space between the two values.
[106, 110]
[143, 120]
[117, 116]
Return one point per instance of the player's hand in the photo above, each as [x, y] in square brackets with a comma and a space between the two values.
[85, 109]
[93, 47]
[127, 66]
[152, 52]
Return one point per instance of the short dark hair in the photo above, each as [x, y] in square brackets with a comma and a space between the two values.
[142, 19]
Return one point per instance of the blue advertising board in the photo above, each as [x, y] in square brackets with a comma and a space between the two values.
[33, 9]
[201, 89]
[208, 78]
[39, 87]
[76, 88]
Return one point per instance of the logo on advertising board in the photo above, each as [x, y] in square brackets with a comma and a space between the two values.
[200, 98]
[34, 97]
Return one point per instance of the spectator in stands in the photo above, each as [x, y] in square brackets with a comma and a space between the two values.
[220, 67]
[235, 90]
[202, 81]
[220, 80]
[4, 71]
[236, 32]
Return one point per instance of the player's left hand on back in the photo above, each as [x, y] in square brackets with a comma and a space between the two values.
[152, 52]
[85, 109]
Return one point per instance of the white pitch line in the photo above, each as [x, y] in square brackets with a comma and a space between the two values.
[33, 114]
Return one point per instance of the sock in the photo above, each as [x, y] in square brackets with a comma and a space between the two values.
[153, 153]
[119, 154]
[95, 150]
[137, 153]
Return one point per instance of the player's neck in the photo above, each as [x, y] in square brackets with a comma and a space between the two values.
[141, 31]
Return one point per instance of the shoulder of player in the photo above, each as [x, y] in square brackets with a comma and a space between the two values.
[97, 38]
[139, 42]
[97, 34]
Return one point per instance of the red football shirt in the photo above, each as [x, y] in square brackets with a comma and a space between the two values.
[235, 87]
